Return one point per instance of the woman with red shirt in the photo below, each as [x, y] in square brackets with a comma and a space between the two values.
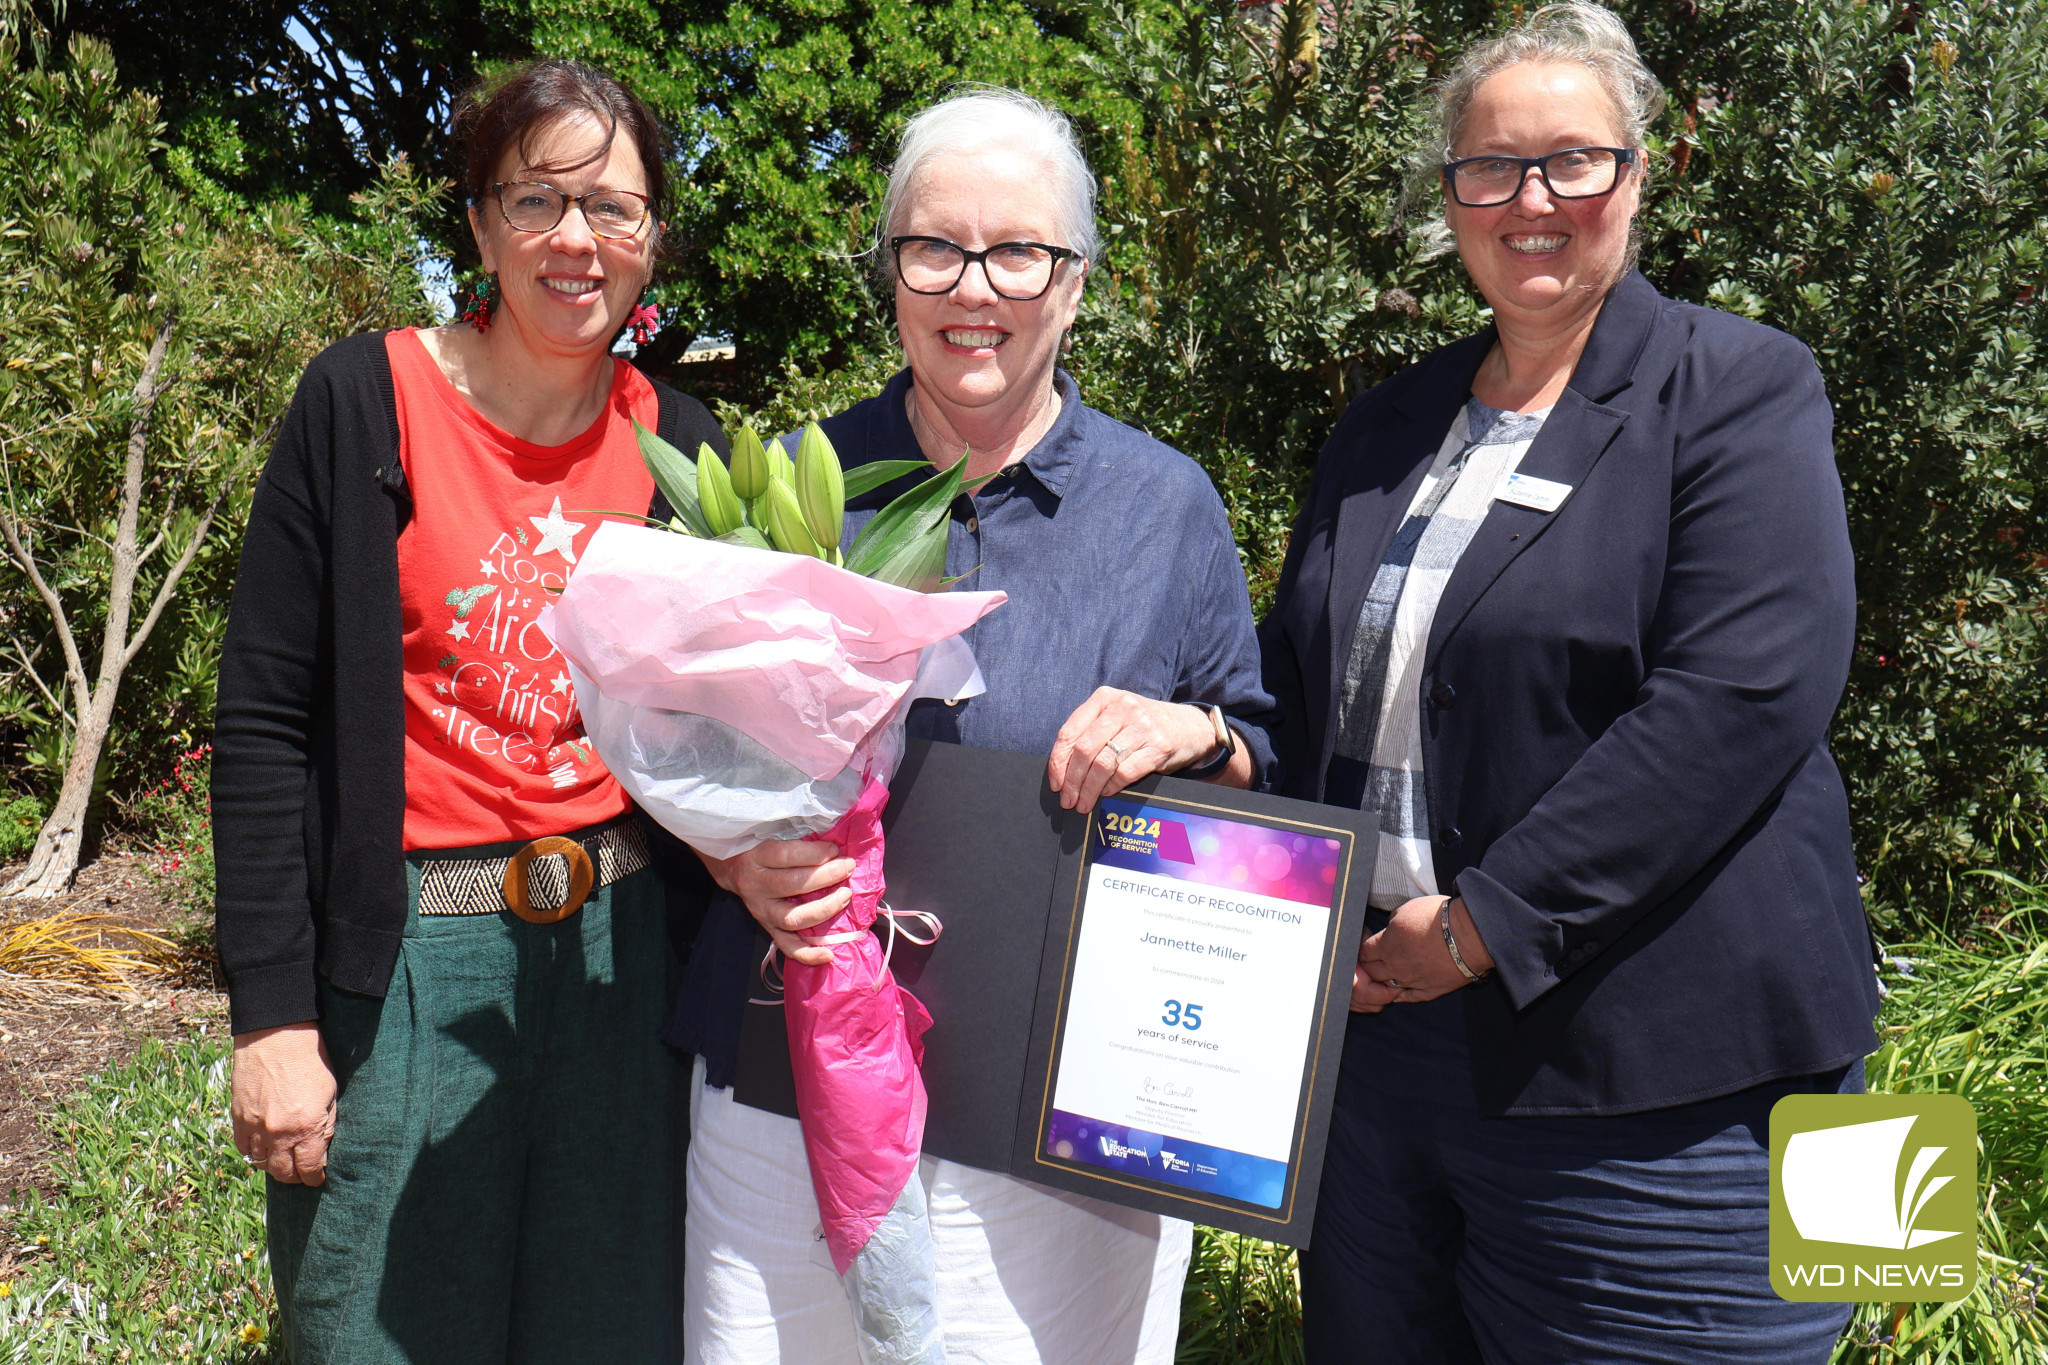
[446, 945]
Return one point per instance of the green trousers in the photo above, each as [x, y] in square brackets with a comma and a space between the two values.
[503, 1185]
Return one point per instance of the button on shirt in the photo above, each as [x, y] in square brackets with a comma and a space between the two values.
[1120, 566]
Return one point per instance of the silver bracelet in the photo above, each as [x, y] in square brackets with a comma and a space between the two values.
[1443, 922]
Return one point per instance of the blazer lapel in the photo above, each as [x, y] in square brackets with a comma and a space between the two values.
[1574, 437]
[1572, 441]
[1386, 468]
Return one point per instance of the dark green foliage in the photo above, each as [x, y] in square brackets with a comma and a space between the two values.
[177, 813]
[1875, 181]
[785, 115]
[1258, 280]
[306, 98]
[100, 246]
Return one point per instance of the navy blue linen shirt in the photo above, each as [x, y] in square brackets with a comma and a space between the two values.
[1121, 570]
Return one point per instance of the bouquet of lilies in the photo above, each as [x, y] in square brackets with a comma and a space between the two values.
[746, 680]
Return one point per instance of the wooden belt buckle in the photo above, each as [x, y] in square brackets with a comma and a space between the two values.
[519, 899]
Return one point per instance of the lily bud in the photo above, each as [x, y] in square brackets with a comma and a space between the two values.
[749, 465]
[715, 495]
[781, 469]
[820, 486]
[786, 522]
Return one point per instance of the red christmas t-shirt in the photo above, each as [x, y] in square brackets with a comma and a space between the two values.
[494, 745]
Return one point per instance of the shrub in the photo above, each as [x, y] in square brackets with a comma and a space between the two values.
[20, 818]
[177, 817]
[155, 329]
[1874, 180]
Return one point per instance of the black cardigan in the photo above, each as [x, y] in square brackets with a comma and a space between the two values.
[309, 729]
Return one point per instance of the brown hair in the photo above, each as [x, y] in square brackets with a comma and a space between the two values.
[509, 110]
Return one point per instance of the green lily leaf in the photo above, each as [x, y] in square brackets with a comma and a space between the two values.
[868, 477]
[748, 536]
[676, 477]
[900, 545]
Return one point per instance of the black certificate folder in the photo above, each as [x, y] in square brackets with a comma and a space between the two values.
[1145, 1005]
[1192, 1003]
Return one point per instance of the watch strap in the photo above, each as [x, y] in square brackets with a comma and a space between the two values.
[1226, 748]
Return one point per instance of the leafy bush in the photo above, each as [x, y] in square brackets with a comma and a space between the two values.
[176, 817]
[20, 818]
[1874, 180]
[155, 328]
[1241, 1304]
[1256, 281]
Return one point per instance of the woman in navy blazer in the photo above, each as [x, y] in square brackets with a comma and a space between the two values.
[1571, 605]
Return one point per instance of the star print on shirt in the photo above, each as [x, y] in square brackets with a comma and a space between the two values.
[459, 629]
[561, 682]
[556, 532]
[486, 568]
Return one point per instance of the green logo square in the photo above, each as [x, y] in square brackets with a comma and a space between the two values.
[1873, 1198]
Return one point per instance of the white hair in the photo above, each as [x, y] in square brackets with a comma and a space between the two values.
[985, 116]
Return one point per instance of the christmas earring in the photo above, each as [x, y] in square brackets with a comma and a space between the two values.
[481, 301]
[645, 320]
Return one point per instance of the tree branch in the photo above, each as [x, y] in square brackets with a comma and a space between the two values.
[74, 665]
[121, 590]
[169, 587]
[28, 667]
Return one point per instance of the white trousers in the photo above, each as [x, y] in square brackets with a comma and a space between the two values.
[1026, 1275]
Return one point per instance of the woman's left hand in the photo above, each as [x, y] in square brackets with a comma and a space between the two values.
[1116, 737]
[1407, 962]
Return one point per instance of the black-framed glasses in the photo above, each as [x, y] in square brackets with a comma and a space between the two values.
[1018, 271]
[1484, 182]
[535, 206]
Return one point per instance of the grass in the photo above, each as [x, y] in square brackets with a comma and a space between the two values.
[151, 1247]
[96, 951]
[1969, 1017]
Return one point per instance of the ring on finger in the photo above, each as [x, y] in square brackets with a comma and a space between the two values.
[1112, 744]
[1393, 984]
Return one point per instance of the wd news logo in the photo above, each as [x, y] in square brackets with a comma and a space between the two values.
[1873, 1197]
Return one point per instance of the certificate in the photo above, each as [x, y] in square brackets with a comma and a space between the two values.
[1145, 1004]
[1198, 1018]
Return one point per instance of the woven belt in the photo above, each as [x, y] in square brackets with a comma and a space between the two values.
[546, 881]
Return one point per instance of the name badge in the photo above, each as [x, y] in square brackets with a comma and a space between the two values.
[1524, 490]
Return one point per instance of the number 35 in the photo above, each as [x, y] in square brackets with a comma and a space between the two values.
[1178, 1015]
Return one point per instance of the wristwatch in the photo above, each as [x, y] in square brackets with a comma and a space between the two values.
[1226, 747]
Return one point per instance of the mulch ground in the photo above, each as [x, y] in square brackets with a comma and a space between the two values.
[48, 1047]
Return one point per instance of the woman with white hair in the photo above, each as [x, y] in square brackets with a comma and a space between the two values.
[1127, 648]
[1570, 606]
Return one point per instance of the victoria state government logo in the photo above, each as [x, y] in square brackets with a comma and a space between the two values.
[1873, 1198]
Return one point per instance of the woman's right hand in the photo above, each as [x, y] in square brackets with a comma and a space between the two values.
[769, 876]
[283, 1104]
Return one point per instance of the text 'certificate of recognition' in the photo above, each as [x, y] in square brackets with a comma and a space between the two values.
[1196, 985]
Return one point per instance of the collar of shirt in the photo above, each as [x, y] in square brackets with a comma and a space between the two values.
[1053, 461]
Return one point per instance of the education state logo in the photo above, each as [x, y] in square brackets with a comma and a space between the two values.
[1873, 1198]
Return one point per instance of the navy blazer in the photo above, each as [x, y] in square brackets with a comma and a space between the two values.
[1626, 710]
